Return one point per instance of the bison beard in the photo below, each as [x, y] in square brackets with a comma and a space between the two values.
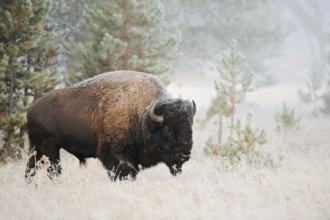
[124, 118]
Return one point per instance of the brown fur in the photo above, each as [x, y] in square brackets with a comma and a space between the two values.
[114, 89]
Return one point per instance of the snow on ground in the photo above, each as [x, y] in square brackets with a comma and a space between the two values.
[209, 188]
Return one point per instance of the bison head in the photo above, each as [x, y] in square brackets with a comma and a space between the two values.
[170, 124]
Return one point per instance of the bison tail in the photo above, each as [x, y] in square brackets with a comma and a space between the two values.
[32, 144]
[82, 161]
[24, 128]
[81, 158]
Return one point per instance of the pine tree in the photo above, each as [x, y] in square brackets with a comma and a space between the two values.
[312, 94]
[233, 84]
[125, 35]
[326, 102]
[286, 119]
[68, 13]
[29, 62]
[325, 109]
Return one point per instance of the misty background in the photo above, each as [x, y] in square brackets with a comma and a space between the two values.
[282, 65]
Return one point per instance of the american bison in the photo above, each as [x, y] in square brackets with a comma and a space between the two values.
[126, 119]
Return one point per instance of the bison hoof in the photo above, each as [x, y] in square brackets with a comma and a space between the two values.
[54, 170]
[29, 174]
[121, 176]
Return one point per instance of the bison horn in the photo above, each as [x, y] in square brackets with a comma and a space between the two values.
[194, 107]
[159, 119]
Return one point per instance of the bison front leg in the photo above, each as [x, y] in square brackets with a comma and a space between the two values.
[121, 167]
[123, 171]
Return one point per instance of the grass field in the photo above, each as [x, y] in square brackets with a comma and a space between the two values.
[209, 188]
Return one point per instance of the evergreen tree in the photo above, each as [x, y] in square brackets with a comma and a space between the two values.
[286, 119]
[313, 93]
[317, 90]
[29, 64]
[125, 35]
[326, 102]
[68, 13]
[326, 96]
[233, 84]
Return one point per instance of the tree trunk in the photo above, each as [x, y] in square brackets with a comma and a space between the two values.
[9, 132]
[23, 129]
[11, 94]
[220, 127]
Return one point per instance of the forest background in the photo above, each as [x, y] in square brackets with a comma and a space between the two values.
[267, 123]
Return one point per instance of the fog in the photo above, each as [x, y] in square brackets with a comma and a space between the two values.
[304, 47]
[307, 42]
[212, 187]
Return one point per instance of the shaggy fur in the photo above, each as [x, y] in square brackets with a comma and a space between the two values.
[107, 117]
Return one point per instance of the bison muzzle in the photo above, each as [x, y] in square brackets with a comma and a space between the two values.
[124, 118]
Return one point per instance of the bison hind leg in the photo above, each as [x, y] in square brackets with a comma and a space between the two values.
[48, 153]
[32, 166]
[36, 161]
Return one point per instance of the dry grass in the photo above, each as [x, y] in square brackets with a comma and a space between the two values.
[209, 188]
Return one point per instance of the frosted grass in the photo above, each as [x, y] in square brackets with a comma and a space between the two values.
[208, 188]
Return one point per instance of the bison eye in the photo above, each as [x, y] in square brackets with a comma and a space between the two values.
[167, 132]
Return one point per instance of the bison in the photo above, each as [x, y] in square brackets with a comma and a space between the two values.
[126, 119]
